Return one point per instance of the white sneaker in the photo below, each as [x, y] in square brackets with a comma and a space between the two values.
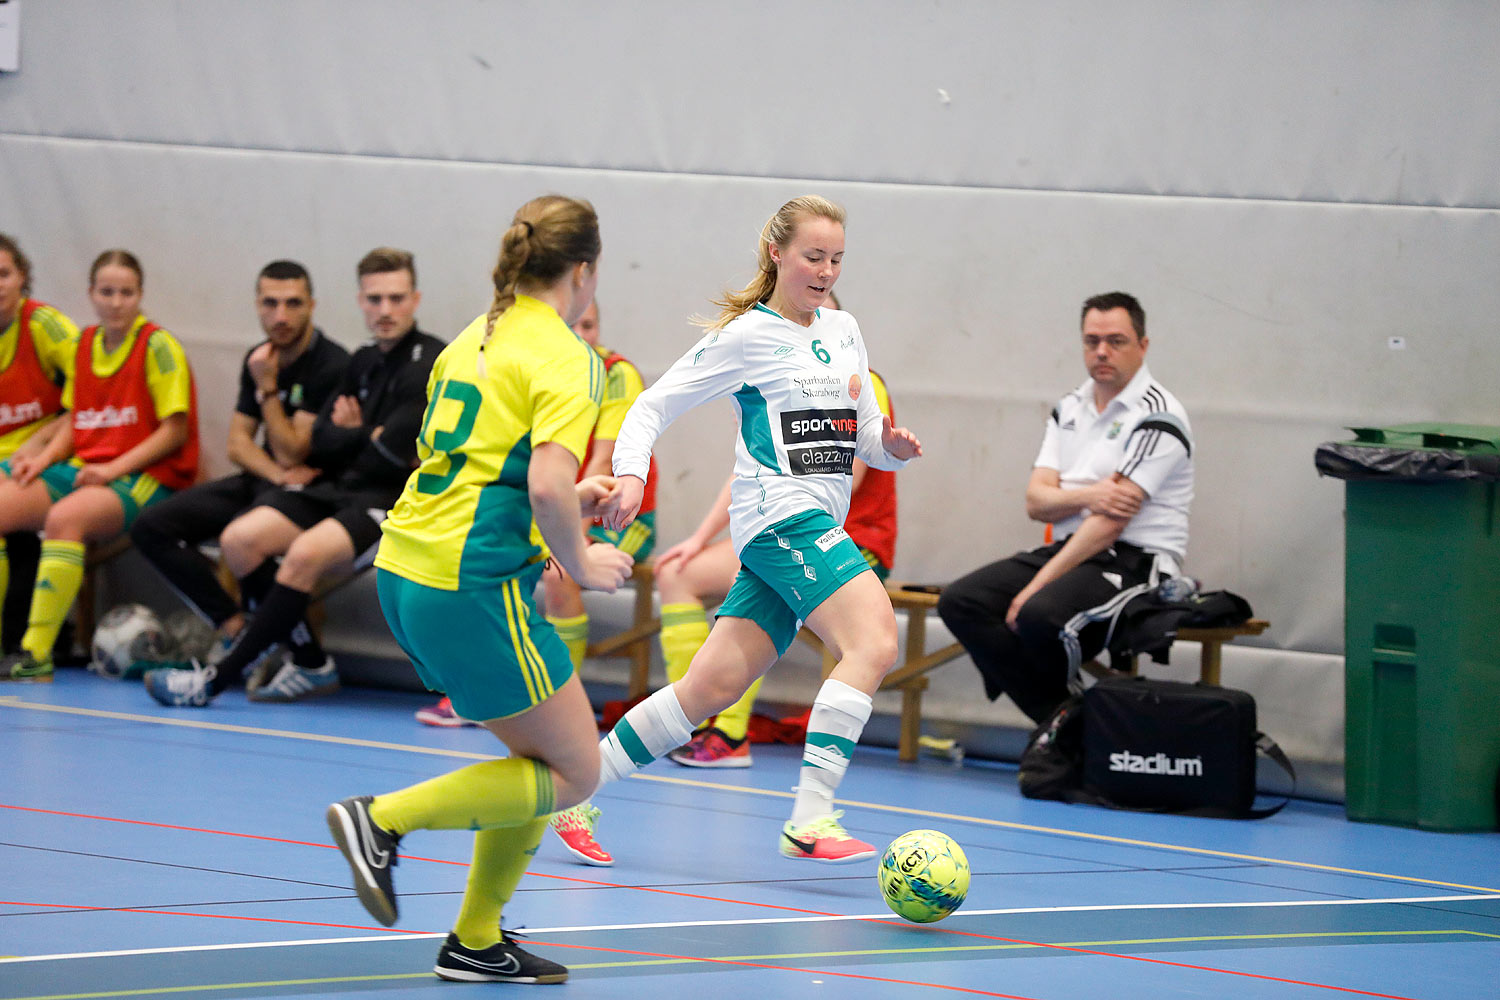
[294, 683]
[185, 688]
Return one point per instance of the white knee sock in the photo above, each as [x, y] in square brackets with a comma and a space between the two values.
[838, 717]
[647, 731]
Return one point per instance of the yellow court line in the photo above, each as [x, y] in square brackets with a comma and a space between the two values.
[782, 957]
[14, 702]
[1082, 835]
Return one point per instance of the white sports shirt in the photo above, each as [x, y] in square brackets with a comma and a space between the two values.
[1144, 435]
[804, 405]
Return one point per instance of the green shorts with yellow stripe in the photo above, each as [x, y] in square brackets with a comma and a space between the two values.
[136, 491]
[638, 539]
[489, 648]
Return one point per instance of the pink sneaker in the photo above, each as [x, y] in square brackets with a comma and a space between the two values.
[576, 828]
[711, 748]
[442, 714]
[823, 840]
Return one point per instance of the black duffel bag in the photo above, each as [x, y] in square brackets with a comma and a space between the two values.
[1159, 746]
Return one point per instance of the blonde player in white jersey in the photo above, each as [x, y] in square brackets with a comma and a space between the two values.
[799, 378]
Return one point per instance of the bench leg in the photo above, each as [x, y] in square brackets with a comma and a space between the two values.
[85, 612]
[916, 635]
[911, 718]
[1213, 650]
[640, 650]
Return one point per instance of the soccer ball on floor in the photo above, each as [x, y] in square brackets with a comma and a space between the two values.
[188, 636]
[924, 876]
[128, 641]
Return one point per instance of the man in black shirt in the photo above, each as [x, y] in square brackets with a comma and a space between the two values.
[364, 443]
[284, 382]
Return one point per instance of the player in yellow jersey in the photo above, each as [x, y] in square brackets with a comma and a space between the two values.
[511, 403]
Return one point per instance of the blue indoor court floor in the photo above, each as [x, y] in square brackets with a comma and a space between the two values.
[180, 853]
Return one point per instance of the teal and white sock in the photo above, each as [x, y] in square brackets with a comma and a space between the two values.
[647, 731]
[838, 717]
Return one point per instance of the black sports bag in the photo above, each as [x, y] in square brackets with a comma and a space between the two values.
[1164, 746]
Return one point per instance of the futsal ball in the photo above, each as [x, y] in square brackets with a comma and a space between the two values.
[128, 641]
[189, 637]
[924, 876]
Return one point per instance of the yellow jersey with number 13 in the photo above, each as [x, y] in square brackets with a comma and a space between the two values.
[464, 518]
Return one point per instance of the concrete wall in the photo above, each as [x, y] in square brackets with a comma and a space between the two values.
[1285, 185]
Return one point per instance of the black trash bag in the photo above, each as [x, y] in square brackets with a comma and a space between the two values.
[1362, 462]
[1414, 453]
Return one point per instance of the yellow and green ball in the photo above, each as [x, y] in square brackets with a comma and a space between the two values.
[924, 876]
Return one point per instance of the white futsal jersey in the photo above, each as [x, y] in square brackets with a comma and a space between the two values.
[805, 408]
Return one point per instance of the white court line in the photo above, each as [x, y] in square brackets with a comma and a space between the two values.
[823, 919]
[12, 701]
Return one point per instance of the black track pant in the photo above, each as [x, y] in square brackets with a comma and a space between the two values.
[1031, 664]
[168, 535]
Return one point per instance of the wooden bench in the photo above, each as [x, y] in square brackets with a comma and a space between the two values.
[1210, 659]
[910, 674]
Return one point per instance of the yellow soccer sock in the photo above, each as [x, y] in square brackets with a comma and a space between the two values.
[734, 721]
[501, 857]
[495, 793]
[574, 632]
[684, 630]
[59, 574]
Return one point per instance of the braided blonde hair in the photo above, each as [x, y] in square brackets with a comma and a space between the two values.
[778, 230]
[547, 236]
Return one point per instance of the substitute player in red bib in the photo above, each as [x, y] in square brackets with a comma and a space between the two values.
[37, 343]
[132, 440]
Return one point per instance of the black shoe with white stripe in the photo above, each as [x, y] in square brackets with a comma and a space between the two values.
[371, 853]
[505, 962]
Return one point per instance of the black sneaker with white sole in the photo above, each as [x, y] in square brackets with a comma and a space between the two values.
[505, 962]
[371, 852]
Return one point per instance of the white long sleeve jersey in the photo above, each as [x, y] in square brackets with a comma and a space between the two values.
[804, 406]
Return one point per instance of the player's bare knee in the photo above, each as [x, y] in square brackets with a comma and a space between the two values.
[238, 543]
[576, 782]
[875, 646]
[671, 585]
[63, 525]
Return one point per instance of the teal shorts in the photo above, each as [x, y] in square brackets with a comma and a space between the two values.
[638, 539]
[788, 570]
[489, 649]
[136, 491]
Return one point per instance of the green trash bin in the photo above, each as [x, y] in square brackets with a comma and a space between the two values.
[1421, 623]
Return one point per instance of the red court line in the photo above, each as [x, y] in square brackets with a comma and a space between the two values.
[785, 968]
[199, 829]
[671, 892]
[209, 916]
